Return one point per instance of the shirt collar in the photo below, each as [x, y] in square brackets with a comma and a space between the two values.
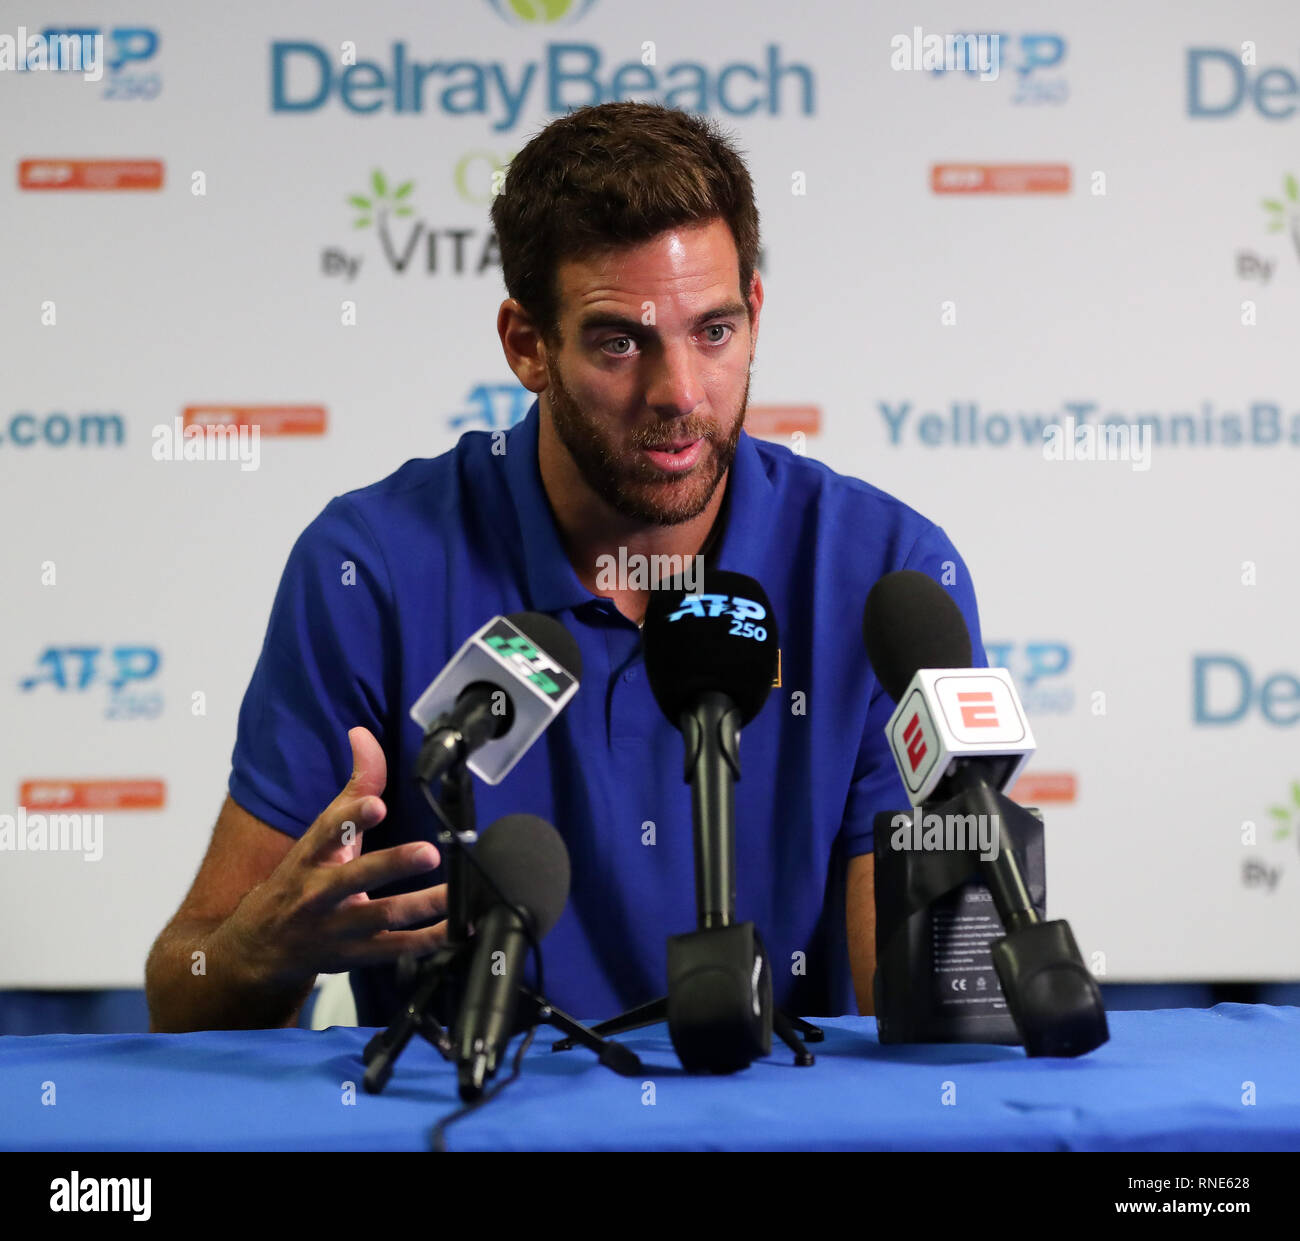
[553, 585]
[750, 514]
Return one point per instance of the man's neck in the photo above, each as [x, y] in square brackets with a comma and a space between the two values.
[590, 529]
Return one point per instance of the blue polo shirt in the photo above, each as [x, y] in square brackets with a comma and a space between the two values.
[385, 585]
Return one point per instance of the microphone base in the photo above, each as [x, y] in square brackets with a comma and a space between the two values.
[1055, 1002]
[719, 998]
[439, 982]
[710, 1006]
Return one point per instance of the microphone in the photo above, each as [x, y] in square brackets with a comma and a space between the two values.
[710, 659]
[497, 695]
[957, 733]
[959, 737]
[955, 726]
[526, 860]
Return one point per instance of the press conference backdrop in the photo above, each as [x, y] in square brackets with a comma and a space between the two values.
[277, 217]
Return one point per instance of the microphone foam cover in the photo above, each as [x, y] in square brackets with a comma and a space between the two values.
[547, 634]
[527, 860]
[911, 622]
[720, 638]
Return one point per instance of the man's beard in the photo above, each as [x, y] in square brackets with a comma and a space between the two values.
[628, 483]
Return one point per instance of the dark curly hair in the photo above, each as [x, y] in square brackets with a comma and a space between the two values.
[613, 175]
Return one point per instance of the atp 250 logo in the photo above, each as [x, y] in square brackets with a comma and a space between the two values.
[1040, 668]
[492, 407]
[743, 613]
[129, 53]
[126, 673]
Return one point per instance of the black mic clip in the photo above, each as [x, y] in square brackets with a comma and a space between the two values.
[482, 711]
[442, 749]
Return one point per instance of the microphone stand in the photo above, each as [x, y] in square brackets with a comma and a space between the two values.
[722, 960]
[1054, 1002]
[438, 981]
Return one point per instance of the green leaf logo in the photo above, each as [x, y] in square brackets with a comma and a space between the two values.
[540, 11]
[1285, 210]
[1286, 816]
[381, 201]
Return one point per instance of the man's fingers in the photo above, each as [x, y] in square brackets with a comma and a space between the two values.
[367, 781]
[392, 944]
[342, 825]
[369, 766]
[395, 913]
[374, 870]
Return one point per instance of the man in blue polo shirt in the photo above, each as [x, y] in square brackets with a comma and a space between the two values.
[628, 237]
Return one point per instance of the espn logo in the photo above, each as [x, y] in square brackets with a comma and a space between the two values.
[914, 735]
[950, 713]
[978, 709]
[916, 740]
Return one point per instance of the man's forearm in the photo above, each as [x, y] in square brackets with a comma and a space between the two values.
[865, 972]
[861, 899]
[195, 979]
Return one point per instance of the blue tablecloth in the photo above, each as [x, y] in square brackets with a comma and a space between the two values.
[1177, 1079]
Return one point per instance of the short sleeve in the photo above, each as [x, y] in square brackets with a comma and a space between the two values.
[322, 670]
[876, 784]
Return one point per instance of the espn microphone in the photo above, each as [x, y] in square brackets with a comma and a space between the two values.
[951, 719]
[710, 659]
[957, 731]
[526, 860]
[959, 736]
[496, 696]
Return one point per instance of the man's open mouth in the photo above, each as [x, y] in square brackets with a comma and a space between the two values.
[676, 456]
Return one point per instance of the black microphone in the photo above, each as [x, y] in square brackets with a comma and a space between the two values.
[496, 696]
[911, 622]
[711, 658]
[526, 860]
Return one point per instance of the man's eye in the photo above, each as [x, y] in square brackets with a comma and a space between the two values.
[629, 352]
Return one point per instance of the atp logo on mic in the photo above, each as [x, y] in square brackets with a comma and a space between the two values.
[743, 613]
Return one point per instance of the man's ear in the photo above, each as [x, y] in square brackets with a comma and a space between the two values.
[756, 306]
[523, 345]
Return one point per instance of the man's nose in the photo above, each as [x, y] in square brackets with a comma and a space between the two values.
[675, 388]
